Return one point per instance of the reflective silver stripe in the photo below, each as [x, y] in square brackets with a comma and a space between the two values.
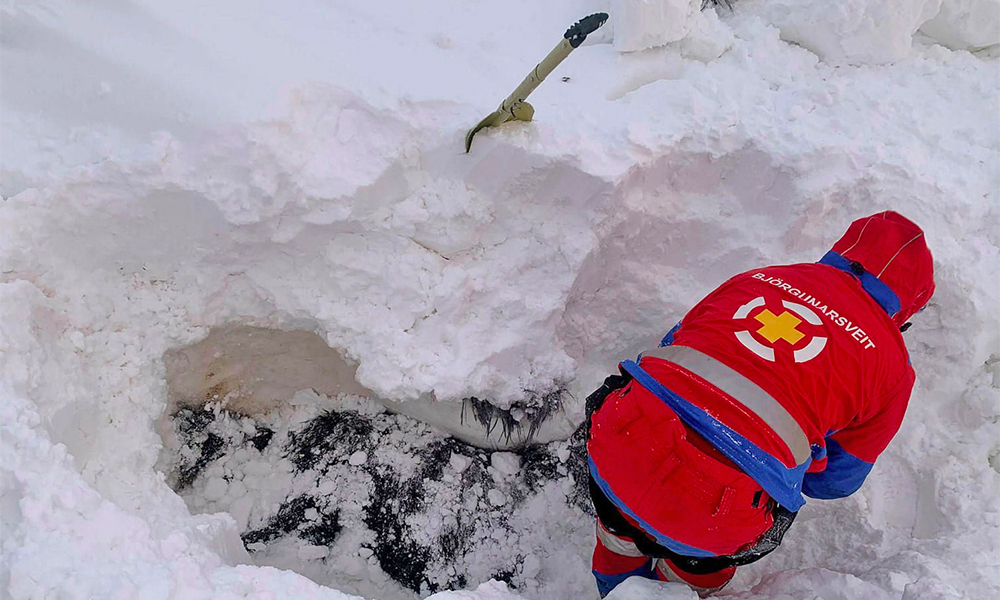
[618, 545]
[746, 392]
[670, 575]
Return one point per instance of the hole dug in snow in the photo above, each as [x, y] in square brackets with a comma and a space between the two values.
[270, 427]
[253, 370]
[389, 500]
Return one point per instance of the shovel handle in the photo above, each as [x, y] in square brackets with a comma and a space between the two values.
[573, 37]
[514, 106]
[584, 27]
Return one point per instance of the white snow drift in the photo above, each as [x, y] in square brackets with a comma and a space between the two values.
[552, 250]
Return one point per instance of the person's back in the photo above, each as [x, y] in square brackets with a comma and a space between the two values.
[787, 379]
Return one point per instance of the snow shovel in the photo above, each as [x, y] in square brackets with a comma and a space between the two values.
[514, 108]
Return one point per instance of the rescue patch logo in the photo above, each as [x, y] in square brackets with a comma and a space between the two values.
[793, 326]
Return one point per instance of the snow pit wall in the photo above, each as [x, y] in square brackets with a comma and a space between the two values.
[253, 371]
[446, 275]
[250, 370]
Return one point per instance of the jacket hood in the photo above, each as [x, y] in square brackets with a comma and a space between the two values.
[898, 270]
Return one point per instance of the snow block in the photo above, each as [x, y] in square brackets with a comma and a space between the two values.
[965, 24]
[851, 31]
[642, 24]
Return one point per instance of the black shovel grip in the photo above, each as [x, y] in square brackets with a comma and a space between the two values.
[584, 27]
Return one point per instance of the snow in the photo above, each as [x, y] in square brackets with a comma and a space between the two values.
[642, 24]
[850, 32]
[644, 589]
[169, 169]
[493, 590]
[505, 463]
[496, 497]
[965, 24]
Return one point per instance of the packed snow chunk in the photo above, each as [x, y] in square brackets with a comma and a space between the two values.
[460, 462]
[506, 463]
[850, 31]
[496, 497]
[708, 39]
[822, 584]
[965, 24]
[639, 588]
[642, 24]
[491, 590]
[358, 458]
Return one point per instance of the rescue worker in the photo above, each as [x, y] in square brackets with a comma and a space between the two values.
[786, 380]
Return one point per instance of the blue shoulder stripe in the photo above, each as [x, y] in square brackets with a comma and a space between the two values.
[880, 292]
[668, 339]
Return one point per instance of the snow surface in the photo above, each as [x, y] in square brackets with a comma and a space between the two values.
[853, 32]
[966, 24]
[172, 167]
[641, 25]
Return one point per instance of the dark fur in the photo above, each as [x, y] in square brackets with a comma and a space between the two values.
[328, 440]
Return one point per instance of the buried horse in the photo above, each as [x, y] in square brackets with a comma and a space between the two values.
[347, 491]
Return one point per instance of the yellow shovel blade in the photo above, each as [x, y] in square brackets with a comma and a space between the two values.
[494, 118]
[521, 111]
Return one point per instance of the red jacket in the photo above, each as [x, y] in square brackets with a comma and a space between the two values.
[821, 339]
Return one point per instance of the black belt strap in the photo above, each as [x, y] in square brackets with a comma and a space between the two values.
[617, 524]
